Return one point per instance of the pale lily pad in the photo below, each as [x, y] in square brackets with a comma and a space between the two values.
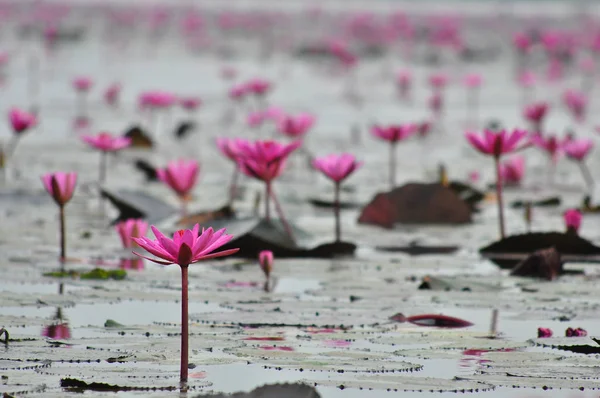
[504, 380]
[403, 383]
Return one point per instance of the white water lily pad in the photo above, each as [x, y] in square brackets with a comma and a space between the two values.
[403, 383]
[547, 370]
[341, 365]
[504, 380]
[138, 376]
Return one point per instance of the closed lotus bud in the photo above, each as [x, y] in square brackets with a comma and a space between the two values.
[544, 332]
[573, 220]
[265, 259]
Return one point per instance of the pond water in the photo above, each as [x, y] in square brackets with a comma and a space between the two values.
[326, 322]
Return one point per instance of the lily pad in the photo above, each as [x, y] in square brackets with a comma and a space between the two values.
[404, 383]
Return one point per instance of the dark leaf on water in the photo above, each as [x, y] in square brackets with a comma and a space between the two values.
[414, 249]
[329, 204]
[417, 203]
[296, 390]
[566, 244]
[548, 202]
[136, 204]
[146, 168]
[467, 193]
[139, 138]
[457, 283]
[184, 128]
[82, 386]
[252, 235]
[545, 264]
[435, 320]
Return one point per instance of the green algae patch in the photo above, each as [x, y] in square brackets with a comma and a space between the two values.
[95, 274]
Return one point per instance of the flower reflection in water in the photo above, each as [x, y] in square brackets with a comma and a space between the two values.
[59, 328]
[132, 263]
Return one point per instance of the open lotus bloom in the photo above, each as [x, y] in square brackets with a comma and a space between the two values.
[337, 167]
[180, 176]
[473, 80]
[20, 120]
[578, 149]
[438, 80]
[230, 147]
[186, 247]
[512, 170]
[497, 143]
[552, 145]
[264, 160]
[394, 133]
[573, 219]
[82, 84]
[129, 229]
[296, 126]
[157, 100]
[106, 142]
[535, 113]
[258, 86]
[527, 79]
[576, 102]
[190, 103]
[111, 95]
[60, 186]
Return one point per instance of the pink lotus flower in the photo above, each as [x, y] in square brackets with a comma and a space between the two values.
[264, 160]
[60, 186]
[157, 100]
[58, 331]
[20, 120]
[474, 176]
[187, 247]
[255, 119]
[190, 103]
[438, 80]
[404, 83]
[274, 113]
[230, 147]
[512, 171]
[535, 113]
[228, 72]
[496, 144]
[436, 103]
[473, 80]
[544, 333]
[258, 87]
[82, 84]
[238, 92]
[577, 103]
[106, 142]
[265, 260]
[579, 332]
[180, 176]
[527, 79]
[521, 42]
[573, 219]
[394, 133]
[337, 168]
[129, 229]
[296, 126]
[578, 149]
[551, 144]
[111, 95]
